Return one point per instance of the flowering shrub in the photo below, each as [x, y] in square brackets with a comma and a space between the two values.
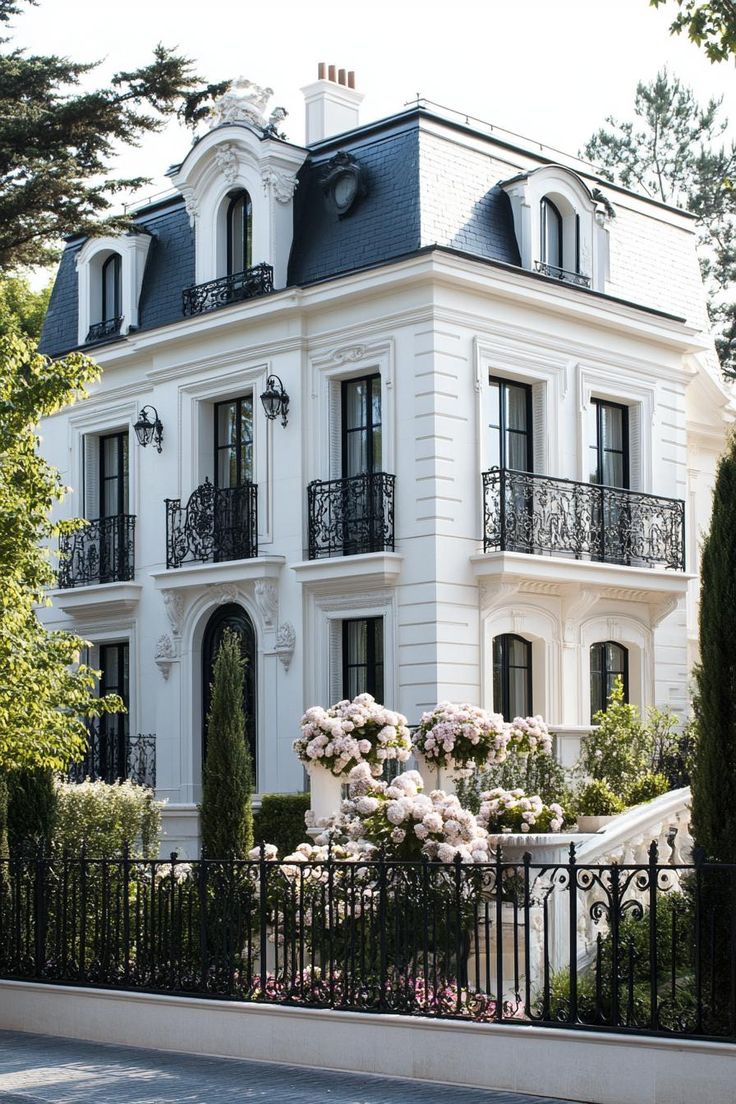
[530, 734]
[513, 811]
[459, 735]
[353, 732]
[103, 817]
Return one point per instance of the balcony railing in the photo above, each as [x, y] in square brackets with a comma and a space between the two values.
[217, 523]
[114, 756]
[524, 512]
[350, 516]
[100, 330]
[228, 289]
[563, 274]
[102, 552]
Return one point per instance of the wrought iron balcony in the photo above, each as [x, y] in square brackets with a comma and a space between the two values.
[524, 512]
[100, 330]
[563, 274]
[114, 756]
[217, 523]
[228, 289]
[350, 516]
[102, 552]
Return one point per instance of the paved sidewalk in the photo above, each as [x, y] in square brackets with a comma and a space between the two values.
[38, 1068]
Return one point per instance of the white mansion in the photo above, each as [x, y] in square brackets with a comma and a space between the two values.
[421, 411]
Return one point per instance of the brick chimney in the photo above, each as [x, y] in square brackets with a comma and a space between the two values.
[331, 103]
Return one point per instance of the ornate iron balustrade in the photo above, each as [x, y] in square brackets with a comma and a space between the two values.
[102, 552]
[100, 330]
[525, 512]
[114, 756]
[350, 516]
[217, 523]
[228, 289]
[563, 274]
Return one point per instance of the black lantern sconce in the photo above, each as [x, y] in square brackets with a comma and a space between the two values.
[275, 400]
[148, 428]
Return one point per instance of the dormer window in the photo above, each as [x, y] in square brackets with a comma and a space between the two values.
[551, 227]
[110, 277]
[239, 232]
[559, 241]
[111, 295]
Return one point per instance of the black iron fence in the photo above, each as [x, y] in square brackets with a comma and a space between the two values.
[647, 948]
[217, 523]
[98, 331]
[101, 552]
[350, 516]
[228, 289]
[113, 755]
[526, 512]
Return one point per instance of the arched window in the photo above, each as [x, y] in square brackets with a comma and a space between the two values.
[231, 616]
[239, 232]
[512, 676]
[551, 231]
[111, 290]
[608, 661]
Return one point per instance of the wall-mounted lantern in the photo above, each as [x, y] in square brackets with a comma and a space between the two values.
[275, 400]
[148, 428]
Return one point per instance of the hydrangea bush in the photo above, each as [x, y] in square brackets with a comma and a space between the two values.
[530, 735]
[461, 736]
[351, 733]
[514, 811]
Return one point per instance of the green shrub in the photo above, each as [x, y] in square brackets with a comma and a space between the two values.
[534, 774]
[646, 788]
[596, 798]
[280, 820]
[31, 810]
[103, 817]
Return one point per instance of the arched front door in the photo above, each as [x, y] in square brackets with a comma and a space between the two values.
[232, 617]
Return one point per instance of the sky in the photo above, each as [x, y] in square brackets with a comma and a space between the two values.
[550, 70]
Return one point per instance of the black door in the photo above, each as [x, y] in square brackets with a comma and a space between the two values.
[232, 617]
[609, 469]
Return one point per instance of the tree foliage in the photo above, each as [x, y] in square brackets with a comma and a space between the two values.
[22, 309]
[56, 141]
[226, 817]
[673, 151]
[714, 769]
[44, 692]
[711, 25]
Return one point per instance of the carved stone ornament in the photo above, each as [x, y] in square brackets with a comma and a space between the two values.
[174, 604]
[283, 185]
[343, 182]
[285, 643]
[227, 162]
[191, 205]
[246, 102]
[224, 593]
[348, 354]
[267, 599]
[165, 654]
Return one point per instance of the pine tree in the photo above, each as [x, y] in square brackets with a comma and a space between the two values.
[714, 774]
[226, 816]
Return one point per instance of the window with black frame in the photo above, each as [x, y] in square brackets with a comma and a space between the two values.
[362, 506]
[362, 657]
[115, 546]
[239, 224]
[608, 661]
[512, 676]
[511, 450]
[110, 757]
[551, 233]
[233, 478]
[111, 289]
[608, 435]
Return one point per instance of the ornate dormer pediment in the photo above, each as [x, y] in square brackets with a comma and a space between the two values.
[246, 102]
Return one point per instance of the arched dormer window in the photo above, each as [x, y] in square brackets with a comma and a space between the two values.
[111, 289]
[550, 223]
[608, 661]
[109, 281]
[559, 241]
[239, 229]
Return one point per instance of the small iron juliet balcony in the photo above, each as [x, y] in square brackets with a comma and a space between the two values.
[100, 330]
[228, 289]
[350, 516]
[524, 512]
[217, 523]
[113, 756]
[102, 552]
[563, 274]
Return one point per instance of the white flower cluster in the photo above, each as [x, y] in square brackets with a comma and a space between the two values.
[513, 811]
[455, 735]
[353, 732]
[407, 822]
[530, 734]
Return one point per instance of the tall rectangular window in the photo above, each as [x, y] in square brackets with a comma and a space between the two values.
[608, 435]
[511, 443]
[113, 475]
[114, 679]
[362, 657]
[234, 442]
[361, 426]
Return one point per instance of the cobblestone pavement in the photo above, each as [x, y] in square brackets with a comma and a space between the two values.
[39, 1069]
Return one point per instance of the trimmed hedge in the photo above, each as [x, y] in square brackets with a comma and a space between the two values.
[280, 820]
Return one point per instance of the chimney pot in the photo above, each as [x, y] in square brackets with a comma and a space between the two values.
[351, 78]
[331, 73]
[321, 70]
[341, 79]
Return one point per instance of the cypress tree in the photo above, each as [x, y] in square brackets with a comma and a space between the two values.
[714, 773]
[31, 809]
[225, 815]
